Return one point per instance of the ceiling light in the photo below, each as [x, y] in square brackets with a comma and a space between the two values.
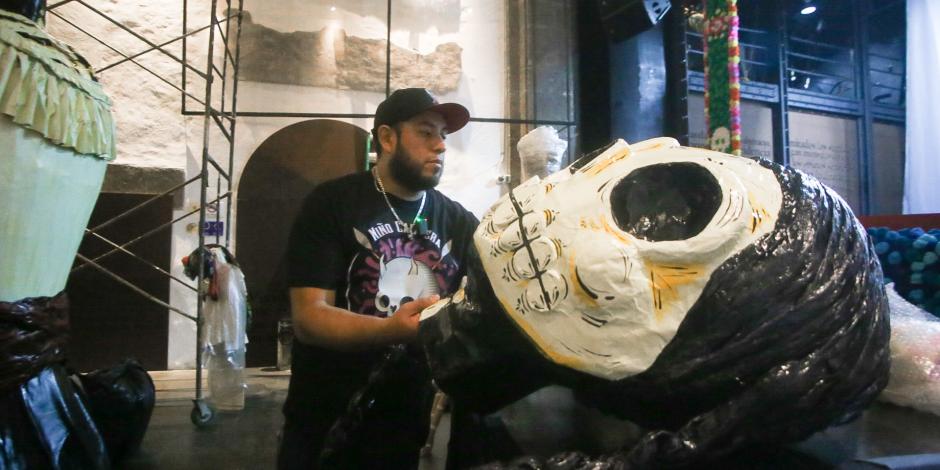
[808, 10]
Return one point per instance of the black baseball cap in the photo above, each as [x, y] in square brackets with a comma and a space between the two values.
[407, 103]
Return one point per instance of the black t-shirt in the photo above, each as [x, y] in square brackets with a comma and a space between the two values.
[346, 239]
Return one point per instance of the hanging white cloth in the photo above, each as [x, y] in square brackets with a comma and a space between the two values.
[922, 167]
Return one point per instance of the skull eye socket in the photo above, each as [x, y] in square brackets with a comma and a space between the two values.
[671, 201]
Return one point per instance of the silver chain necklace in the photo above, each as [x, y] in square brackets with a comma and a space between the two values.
[415, 223]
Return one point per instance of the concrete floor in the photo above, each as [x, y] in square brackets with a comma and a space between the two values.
[248, 439]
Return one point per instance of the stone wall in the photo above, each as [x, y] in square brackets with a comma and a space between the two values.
[153, 134]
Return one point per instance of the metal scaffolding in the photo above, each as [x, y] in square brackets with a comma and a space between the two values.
[218, 109]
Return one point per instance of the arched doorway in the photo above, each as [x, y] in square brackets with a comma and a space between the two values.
[279, 174]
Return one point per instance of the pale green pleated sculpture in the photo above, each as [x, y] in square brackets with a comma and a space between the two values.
[56, 137]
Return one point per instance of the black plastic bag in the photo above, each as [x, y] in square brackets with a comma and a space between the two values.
[44, 421]
[121, 400]
[45, 424]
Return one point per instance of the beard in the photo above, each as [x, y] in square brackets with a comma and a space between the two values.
[409, 172]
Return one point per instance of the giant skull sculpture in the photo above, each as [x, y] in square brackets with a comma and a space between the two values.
[718, 301]
[599, 267]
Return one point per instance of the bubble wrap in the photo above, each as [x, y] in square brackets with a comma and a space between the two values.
[915, 356]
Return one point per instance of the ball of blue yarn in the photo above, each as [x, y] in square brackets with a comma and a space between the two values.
[894, 258]
[903, 243]
[925, 241]
[912, 255]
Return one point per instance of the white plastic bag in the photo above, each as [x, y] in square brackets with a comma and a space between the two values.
[915, 356]
[225, 315]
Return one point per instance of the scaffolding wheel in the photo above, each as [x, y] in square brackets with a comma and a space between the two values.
[202, 413]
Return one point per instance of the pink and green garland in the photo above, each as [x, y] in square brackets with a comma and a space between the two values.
[722, 85]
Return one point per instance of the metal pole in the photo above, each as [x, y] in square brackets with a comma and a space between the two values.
[234, 112]
[183, 95]
[140, 206]
[136, 35]
[202, 199]
[138, 54]
[151, 72]
[866, 143]
[203, 184]
[151, 232]
[388, 48]
[133, 287]
[133, 255]
[781, 108]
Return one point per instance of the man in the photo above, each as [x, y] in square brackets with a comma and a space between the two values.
[368, 252]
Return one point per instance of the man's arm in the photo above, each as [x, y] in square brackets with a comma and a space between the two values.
[317, 321]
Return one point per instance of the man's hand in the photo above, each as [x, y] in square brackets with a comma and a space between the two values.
[403, 324]
[317, 321]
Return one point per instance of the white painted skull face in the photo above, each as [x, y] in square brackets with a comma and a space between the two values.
[599, 265]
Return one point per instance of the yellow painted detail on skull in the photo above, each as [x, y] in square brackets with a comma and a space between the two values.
[590, 224]
[759, 215]
[601, 166]
[665, 281]
[578, 290]
[539, 340]
[549, 216]
[614, 232]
